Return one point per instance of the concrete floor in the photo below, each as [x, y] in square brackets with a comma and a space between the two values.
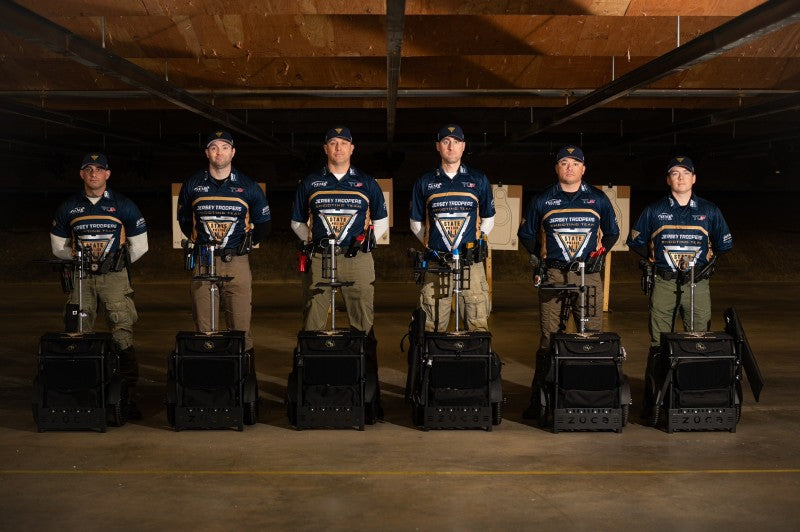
[144, 476]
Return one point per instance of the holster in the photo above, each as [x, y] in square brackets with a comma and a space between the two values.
[246, 245]
[648, 273]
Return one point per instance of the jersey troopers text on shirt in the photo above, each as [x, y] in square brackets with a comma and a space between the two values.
[451, 208]
[101, 227]
[338, 208]
[221, 211]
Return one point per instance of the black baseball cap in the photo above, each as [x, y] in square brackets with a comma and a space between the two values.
[339, 132]
[224, 136]
[573, 152]
[96, 159]
[451, 130]
[680, 160]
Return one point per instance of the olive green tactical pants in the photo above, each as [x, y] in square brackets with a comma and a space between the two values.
[114, 291]
[233, 302]
[550, 303]
[474, 303]
[663, 300]
[358, 298]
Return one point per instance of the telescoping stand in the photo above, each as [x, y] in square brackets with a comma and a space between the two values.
[453, 377]
[584, 387]
[695, 383]
[211, 379]
[331, 385]
[78, 385]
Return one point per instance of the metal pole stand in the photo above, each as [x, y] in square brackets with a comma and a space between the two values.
[215, 282]
[329, 272]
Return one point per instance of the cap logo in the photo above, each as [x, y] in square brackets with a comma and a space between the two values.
[451, 129]
[95, 157]
[679, 159]
[570, 150]
[338, 130]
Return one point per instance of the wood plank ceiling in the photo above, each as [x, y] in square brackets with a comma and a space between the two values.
[281, 71]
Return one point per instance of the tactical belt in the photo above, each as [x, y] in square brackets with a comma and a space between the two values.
[326, 250]
[681, 277]
[557, 264]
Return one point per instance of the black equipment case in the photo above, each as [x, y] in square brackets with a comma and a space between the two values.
[454, 379]
[696, 382]
[584, 387]
[211, 382]
[334, 380]
[78, 384]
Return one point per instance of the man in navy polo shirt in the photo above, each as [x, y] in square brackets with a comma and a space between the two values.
[670, 234]
[111, 229]
[340, 202]
[561, 227]
[452, 207]
[224, 207]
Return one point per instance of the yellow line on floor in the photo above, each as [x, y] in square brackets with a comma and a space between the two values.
[176, 472]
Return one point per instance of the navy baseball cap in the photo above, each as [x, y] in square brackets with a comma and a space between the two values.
[339, 132]
[224, 136]
[680, 160]
[451, 130]
[573, 152]
[96, 159]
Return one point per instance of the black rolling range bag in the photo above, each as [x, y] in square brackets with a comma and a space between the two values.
[78, 385]
[454, 380]
[334, 380]
[698, 382]
[585, 388]
[211, 382]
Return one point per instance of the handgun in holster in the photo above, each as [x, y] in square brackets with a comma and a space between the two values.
[648, 276]
[189, 255]
[246, 245]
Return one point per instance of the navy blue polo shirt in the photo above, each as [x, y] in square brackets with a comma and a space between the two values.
[223, 209]
[451, 208]
[675, 234]
[565, 227]
[102, 226]
[336, 207]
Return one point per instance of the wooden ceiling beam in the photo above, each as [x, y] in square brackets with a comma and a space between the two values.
[768, 17]
[19, 21]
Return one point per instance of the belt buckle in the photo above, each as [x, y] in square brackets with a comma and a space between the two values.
[227, 256]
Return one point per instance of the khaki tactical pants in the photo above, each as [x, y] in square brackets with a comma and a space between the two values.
[233, 302]
[663, 300]
[114, 291]
[474, 303]
[550, 303]
[358, 298]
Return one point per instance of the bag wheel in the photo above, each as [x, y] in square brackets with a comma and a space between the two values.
[250, 413]
[171, 414]
[497, 413]
[626, 409]
[652, 418]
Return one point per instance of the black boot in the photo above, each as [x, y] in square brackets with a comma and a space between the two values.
[538, 382]
[650, 381]
[129, 366]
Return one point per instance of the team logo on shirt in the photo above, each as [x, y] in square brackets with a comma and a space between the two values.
[219, 228]
[97, 245]
[572, 242]
[451, 227]
[337, 222]
[679, 257]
